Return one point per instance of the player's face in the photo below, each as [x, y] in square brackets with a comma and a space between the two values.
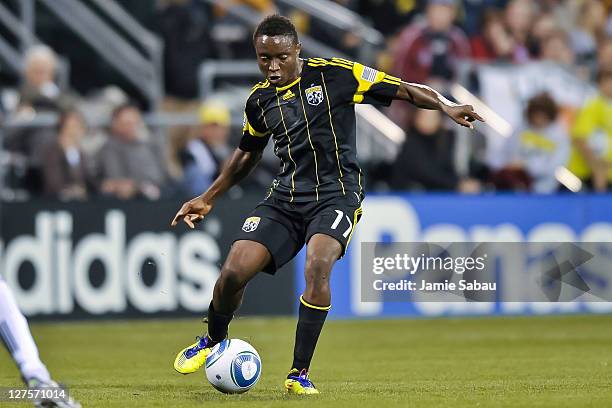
[278, 58]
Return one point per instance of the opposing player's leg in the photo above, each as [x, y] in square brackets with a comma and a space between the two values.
[244, 260]
[16, 336]
[315, 302]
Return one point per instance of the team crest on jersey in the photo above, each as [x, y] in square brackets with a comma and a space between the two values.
[314, 95]
[250, 224]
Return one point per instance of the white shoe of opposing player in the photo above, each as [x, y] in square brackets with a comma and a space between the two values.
[51, 395]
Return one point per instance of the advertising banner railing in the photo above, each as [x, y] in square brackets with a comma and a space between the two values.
[441, 255]
[108, 258]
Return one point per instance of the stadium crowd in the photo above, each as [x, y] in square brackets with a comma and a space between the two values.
[426, 41]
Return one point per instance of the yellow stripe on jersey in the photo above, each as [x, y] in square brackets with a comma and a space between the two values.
[366, 77]
[311, 145]
[337, 59]
[288, 147]
[331, 124]
[259, 85]
[263, 114]
[343, 62]
[318, 60]
[336, 62]
[391, 81]
[251, 130]
[392, 78]
[247, 127]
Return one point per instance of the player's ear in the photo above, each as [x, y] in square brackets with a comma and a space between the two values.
[298, 48]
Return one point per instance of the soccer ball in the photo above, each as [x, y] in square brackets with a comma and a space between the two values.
[233, 366]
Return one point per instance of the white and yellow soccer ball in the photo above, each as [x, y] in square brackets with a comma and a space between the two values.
[233, 366]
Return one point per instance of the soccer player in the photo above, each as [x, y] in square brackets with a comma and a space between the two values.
[306, 106]
[16, 336]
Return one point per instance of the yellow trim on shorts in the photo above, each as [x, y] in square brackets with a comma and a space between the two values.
[356, 215]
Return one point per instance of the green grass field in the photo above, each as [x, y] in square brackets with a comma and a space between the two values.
[480, 362]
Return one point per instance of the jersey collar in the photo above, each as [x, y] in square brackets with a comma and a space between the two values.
[283, 88]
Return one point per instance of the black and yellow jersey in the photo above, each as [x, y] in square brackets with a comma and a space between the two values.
[312, 123]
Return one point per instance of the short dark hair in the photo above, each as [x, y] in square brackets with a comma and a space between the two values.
[542, 103]
[276, 25]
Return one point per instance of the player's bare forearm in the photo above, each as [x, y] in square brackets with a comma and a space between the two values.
[235, 170]
[425, 97]
[238, 167]
[422, 96]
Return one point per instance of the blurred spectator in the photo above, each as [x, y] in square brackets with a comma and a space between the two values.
[604, 54]
[426, 159]
[428, 50]
[519, 16]
[232, 37]
[185, 28]
[65, 171]
[556, 48]
[564, 11]
[39, 90]
[591, 158]
[590, 27]
[387, 16]
[39, 93]
[495, 42]
[539, 146]
[475, 13]
[130, 165]
[543, 27]
[204, 155]
[346, 42]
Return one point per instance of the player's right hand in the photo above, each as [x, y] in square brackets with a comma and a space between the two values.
[192, 212]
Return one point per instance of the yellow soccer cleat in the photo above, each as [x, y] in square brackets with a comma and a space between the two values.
[191, 358]
[298, 383]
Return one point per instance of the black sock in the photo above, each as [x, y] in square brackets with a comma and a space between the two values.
[310, 323]
[217, 324]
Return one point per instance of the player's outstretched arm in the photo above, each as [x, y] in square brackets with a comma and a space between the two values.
[237, 168]
[425, 97]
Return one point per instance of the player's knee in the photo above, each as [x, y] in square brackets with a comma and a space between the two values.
[318, 270]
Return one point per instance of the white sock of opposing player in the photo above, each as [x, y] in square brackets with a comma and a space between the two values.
[16, 335]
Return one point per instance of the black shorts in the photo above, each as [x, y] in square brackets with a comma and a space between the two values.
[285, 227]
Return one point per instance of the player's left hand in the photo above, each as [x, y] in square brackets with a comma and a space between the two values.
[463, 115]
